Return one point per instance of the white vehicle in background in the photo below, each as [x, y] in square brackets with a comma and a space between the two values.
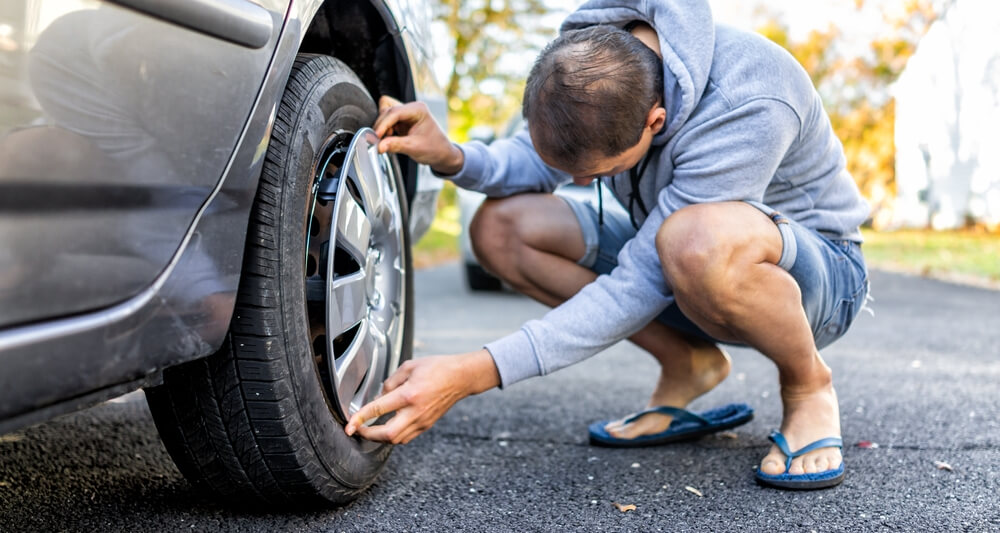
[476, 277]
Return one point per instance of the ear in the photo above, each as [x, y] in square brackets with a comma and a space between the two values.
[656, 118]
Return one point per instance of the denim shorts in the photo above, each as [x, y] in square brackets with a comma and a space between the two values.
[831, 273]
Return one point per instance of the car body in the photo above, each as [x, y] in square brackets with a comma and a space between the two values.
[133, 134]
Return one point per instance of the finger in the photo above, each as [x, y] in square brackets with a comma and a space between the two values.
[386, 403]
[385, 102]
[397, 378]
[385, 121]
[408, 113]
[388, 432]
[393, 144]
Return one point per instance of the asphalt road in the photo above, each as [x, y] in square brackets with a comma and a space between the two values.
[919, 380]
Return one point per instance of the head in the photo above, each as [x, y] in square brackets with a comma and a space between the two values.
[593, 101]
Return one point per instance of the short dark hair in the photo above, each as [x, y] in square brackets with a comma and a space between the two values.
[589, 93]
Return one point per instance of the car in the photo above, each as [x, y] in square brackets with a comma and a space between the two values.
[192, 203]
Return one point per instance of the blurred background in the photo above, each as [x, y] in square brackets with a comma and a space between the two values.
[912, 88]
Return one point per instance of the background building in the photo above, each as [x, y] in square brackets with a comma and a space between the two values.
[947, 130]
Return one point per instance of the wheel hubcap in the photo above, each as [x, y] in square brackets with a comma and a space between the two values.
[356, 291]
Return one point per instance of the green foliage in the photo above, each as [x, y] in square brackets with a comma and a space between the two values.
[493, 43]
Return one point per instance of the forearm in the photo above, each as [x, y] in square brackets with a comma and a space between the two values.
[505, 167]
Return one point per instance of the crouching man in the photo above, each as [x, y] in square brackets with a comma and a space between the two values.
[740, 227]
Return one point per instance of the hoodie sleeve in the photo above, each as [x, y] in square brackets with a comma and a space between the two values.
[731, 157]
[506, 167]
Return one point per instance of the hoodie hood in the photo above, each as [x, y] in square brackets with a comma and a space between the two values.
[687, 43]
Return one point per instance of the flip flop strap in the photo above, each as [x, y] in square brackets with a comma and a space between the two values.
[779, 439]
[676, 412]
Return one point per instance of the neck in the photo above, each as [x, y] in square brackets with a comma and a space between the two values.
[647, 35]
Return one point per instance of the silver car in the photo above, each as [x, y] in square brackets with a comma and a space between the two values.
[191, 203]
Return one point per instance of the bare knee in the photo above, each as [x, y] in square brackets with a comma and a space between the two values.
[493, 234]
[706, 252]
[691, 250]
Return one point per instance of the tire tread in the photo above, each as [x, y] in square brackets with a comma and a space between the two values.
[231, 421]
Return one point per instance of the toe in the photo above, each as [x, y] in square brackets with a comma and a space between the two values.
[613, 426]
[797, 467]
[774, 463]
[834, 460]
[809, 464]
[616, 430]
[822, 463]
[647, 425]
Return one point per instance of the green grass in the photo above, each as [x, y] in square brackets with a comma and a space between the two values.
[963, 254]
[440, 243]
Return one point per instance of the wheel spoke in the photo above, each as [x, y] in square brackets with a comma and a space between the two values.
[367, 351]
[383, 347]
[368, 178]
[353, 227]
[347, 303]
[352, 366]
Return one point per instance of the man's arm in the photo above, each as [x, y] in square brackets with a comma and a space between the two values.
[505, 167]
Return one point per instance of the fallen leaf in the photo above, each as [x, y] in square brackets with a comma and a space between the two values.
[694, 491]
[731, 435]
[866, 444]
[624, 508]
[941, 465]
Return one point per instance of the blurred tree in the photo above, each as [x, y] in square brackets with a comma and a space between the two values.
[855, 90]
[493, 44]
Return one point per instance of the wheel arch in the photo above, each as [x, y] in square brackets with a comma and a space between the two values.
[366, 36]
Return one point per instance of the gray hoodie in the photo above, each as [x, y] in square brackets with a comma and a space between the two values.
[743, 123]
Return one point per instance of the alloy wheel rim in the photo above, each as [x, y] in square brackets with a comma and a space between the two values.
[356, 271]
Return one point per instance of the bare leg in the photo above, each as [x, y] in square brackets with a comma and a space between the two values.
[533, 241]
[721, 260]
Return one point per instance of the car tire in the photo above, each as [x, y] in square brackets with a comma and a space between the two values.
[478, 279]
[260, 421]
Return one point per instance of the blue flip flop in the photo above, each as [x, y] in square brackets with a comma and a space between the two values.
[685, 425]
[817, 480]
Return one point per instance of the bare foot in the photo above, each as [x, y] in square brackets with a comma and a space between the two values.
[809, 416]
[682, 379]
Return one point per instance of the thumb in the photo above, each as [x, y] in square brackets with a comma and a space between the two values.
[395, 144]
[385, 102]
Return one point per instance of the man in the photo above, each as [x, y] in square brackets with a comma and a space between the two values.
[741, 227]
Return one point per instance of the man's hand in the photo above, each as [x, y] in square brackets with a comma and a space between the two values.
[421, 391]
[410, 129]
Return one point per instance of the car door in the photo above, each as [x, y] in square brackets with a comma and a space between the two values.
[117, 120]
